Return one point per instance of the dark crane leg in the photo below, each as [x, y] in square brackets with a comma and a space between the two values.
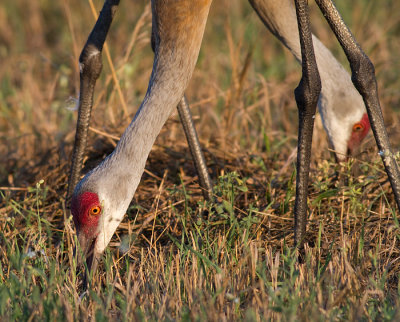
[363, 77]
[90, 62]
[90, 65]
[306, 94]
[195, 148]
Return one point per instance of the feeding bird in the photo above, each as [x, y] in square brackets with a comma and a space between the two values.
[100, 200]
[341, 107]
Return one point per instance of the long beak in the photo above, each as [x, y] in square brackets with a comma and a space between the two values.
[86, 256]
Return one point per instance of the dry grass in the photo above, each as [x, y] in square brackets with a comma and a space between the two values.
[175, 256]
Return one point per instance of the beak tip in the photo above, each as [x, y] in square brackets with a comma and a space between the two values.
[84, 253]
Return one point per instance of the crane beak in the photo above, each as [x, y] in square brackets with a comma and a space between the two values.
[85, 254]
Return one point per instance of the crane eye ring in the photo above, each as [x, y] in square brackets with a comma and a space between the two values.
[95, 210]
[358, 127]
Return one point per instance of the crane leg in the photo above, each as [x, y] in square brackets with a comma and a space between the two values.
[90, 62]
[363, 77]
[90, 65]
[195, 147]
[306, 94]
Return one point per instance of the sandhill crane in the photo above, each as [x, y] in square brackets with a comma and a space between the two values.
[341, 107]
[101, 198]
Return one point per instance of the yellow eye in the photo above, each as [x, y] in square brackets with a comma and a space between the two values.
[358, 127]
[95, 210]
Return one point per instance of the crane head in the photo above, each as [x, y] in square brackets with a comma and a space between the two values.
[347, 134]
[98, 205]
[86, 211]
[358, 133]
[345, 121]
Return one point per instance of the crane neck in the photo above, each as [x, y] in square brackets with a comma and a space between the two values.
[178, 30]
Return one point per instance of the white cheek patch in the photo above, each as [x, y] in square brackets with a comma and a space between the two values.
[341, 139]
[106, 231]
[108, 224]
[339, 127]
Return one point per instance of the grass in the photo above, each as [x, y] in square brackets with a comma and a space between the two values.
[175, 256]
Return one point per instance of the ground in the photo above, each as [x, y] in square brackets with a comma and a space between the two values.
[176, 256]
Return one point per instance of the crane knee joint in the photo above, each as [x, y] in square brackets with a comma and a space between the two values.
[363, 74]
[90, 62]
[307, 94]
